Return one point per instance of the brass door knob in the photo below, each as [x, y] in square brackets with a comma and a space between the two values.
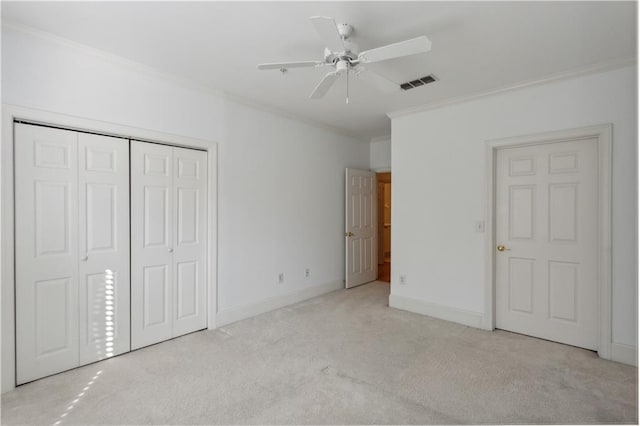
[502, 248]
[349, 234]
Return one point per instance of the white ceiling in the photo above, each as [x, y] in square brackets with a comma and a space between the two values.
[477, 46]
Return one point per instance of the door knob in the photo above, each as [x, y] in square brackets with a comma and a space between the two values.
[349, 234]
[84, 258]
[170, 250]
[502, 248]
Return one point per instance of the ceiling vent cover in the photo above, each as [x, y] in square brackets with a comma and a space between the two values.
[418, 82]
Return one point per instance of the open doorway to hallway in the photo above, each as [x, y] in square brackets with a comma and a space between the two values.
[384, 225]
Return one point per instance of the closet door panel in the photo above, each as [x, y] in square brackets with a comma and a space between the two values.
[190, 231]
[151, 243]
[104, 246]
[46, 250]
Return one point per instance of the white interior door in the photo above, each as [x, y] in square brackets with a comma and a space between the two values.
[360, 227]
[151, 243]
[46, 221]
[104, 246]
[189, 234]
[547, 222]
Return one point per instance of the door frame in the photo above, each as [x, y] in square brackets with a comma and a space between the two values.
[604, 135]
[11, 113]
[381, 178]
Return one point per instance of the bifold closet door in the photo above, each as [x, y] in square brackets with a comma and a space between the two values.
[46, 221]
[104, 246]
[72, 239]
[190, 240]
[168, 258]
[151, 243]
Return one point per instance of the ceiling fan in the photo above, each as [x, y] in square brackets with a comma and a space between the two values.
[341, 53]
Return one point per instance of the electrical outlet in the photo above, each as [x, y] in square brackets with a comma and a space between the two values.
[307, 272]
[281, 278]
[403, 279]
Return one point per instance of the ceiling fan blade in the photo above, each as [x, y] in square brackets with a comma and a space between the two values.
[378, 81]
[279, 65]
[396, 50]
[328, 32]
[325, 84]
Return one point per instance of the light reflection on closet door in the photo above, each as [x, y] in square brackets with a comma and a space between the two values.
[104, 246]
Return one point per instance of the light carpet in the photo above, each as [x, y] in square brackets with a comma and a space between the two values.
[341, 358]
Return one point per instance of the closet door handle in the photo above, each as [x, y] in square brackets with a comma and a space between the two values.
[84, 258]
[170, 250]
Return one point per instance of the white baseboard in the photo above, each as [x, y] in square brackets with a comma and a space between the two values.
[225, 317]
[625, 354]
[419, 306]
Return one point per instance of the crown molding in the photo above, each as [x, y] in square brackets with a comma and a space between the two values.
[152, 72]
[380, 138]
[565, 75]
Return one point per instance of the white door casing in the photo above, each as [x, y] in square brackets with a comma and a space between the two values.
[169, 244]
[546, 210]
[46, 187]
[189, 235]
[360, 227]
[103, 246]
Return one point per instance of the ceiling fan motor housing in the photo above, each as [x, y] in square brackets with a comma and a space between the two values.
[342, 66]
[349, 55]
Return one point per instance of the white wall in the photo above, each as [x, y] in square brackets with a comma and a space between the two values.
[380, 154]
[281, 205]
[439, 187]
[45, 74]
[280, 181]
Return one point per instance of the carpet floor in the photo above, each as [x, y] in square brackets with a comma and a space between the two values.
[341, 358]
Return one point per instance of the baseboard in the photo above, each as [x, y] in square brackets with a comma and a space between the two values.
[625, 354]
[225, 317]
[419, 306]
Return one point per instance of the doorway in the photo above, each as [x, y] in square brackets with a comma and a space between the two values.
[549, 238]
[383, 181]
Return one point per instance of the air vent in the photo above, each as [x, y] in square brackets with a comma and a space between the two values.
[418, 82]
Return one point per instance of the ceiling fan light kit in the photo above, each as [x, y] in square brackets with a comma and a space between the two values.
[343, 55]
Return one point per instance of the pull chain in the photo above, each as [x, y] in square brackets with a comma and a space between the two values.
[347, 100]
